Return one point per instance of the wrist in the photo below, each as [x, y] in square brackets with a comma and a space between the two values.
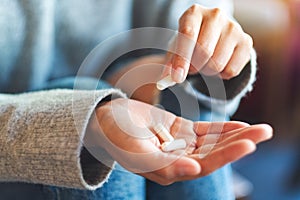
[94, 129]
[138, 78]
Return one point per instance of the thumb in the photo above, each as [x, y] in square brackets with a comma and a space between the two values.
[185, 166]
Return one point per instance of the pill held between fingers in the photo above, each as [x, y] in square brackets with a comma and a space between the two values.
[173, 145]
[163, 133]
[165, 83]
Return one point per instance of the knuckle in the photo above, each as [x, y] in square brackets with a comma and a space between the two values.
[230, 72]
[216, 12]
[235, 29]
[167, 175]
[231, 27]
[182, 19]
[194, 8]
[248, 40]
[188, 30]
[217, 67]
[207, 48]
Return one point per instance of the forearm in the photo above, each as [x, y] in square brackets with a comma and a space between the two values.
[138, 78]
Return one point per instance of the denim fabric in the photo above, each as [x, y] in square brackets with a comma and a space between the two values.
[216, 186]
[123, 184]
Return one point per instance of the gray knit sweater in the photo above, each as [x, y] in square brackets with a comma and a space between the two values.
[41, 132]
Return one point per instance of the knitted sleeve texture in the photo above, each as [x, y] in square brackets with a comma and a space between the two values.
[41, 136]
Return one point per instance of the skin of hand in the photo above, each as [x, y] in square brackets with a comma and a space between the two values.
[124, 128]
[138, 78]
[208, 42]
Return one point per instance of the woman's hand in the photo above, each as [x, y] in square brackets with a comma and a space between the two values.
[126, 132]
[208, 42]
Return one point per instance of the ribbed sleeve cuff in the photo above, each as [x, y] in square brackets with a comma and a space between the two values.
[223, 95]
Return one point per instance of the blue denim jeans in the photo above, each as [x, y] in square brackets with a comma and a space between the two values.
[123, 184]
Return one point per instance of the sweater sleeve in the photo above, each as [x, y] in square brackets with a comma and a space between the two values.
[41, 136]
[223, 96]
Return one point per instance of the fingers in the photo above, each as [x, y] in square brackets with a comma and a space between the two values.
[210, 43]
[231, 150]
[207, 40]
[231, 53]
[222, 53]
[203, 128]
[255, 133]
[225, 155]
[239, 58]
[189, 27]
[182, 167]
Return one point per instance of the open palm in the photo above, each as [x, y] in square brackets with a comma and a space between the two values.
[126, 133]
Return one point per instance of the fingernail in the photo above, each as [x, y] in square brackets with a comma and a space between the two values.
[178, 75]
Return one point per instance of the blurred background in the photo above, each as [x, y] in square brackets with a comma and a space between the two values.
[273, 171]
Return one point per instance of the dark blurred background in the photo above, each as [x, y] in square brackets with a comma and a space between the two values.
[273, 171]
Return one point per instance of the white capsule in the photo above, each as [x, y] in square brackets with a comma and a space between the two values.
[165, 83]
[201, 155]
[163, 133]
[173, 145]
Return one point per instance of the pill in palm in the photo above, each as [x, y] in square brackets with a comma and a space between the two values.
[163, 133]
[173, 145]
